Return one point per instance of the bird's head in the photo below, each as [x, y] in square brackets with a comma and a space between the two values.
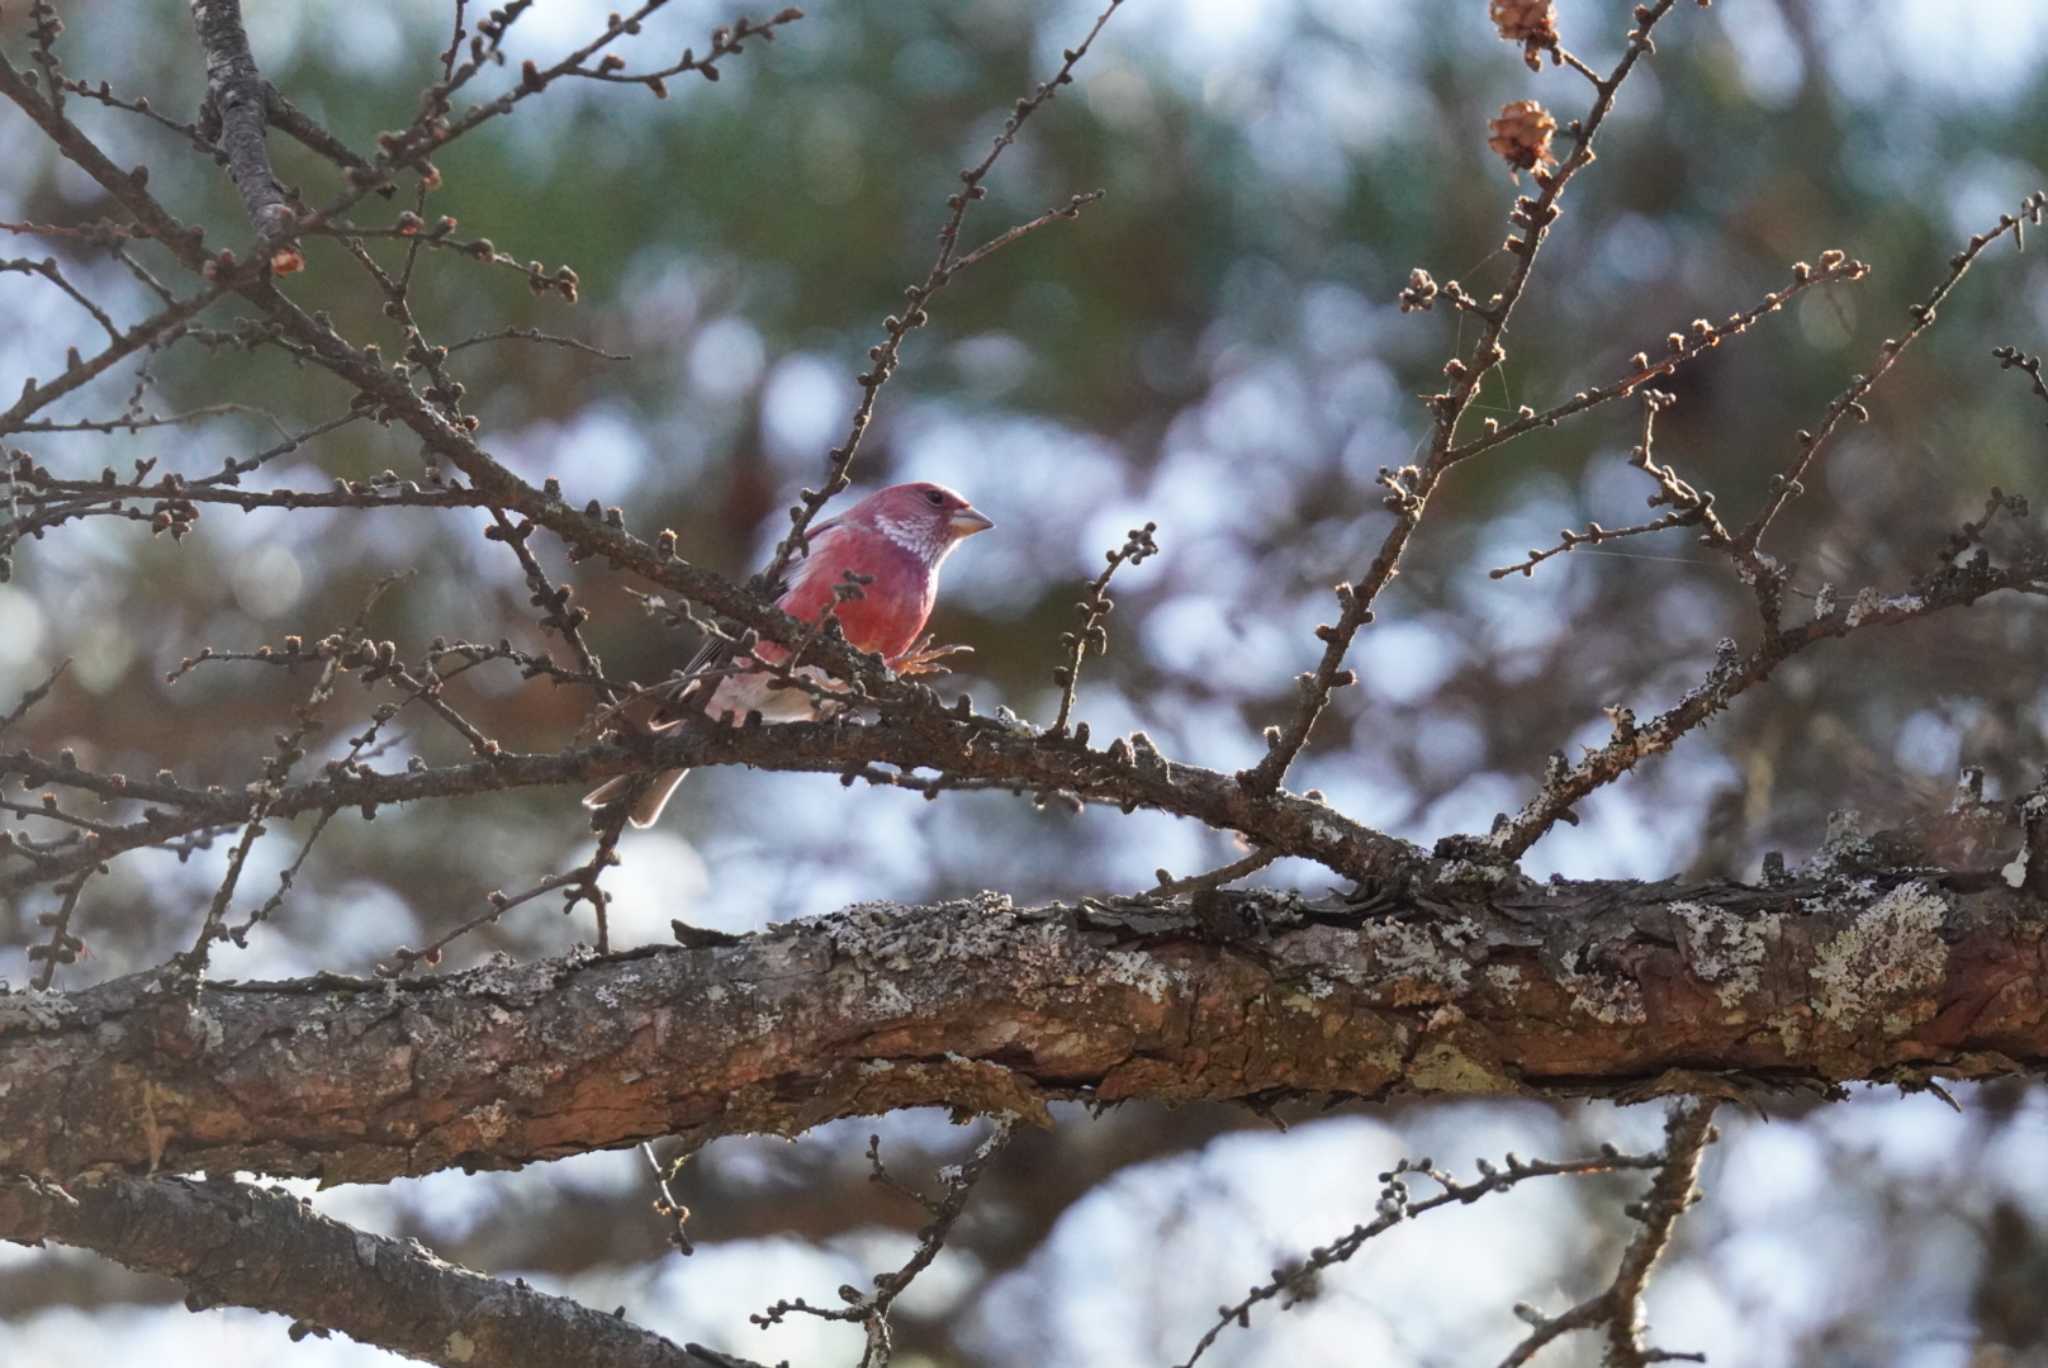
[927, 520]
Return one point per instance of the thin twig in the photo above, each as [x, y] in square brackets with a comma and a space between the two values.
[871, 1311]
[1688, 1130]
[34, 696]
[1070, 210]
[885, 353]
[48, 269]
[1170, 887]
[1093, 607]
[1291, 1283]
[536, 335]
[1850, 401]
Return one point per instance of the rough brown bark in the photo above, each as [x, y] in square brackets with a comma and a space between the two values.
[1505, 988]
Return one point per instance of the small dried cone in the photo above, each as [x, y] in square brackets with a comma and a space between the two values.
[1532, 23]
[1521, 134]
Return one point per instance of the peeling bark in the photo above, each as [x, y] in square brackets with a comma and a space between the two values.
[1491, 986]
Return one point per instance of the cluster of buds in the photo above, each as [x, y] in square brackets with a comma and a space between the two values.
[1420, 293]
[1532, 23]
[1521, 134]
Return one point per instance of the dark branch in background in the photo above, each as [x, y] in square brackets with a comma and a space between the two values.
[1299, 1280]
[235, 116]
[1688, 1130]
[870, 1310]
[235, 1244]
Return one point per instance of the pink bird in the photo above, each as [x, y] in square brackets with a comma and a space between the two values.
[897, 538]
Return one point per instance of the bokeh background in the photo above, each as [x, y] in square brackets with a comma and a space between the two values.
[1214, 346]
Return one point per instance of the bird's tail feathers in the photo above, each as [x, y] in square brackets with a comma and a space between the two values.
[647, 804]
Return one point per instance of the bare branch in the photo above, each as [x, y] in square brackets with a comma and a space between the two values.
[1070, 210]
[235, 116]
[1293, 1282]
[1093, 607]
[1409, 488]
[47, 268]
[871, 1310]
[1850, 400]
[1688, 1130]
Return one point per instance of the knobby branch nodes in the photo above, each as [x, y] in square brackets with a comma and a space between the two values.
[289, 751]
[1811, 445]
[1698, 338]
[1618, 1310]
[1966, 574]
[870, 1310]
[1686, 1134]
[1093, 607]
[2009, 358]
[234, 117]
[1409, 489]
[1690, 507]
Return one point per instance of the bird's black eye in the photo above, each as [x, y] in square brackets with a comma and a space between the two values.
[934, 498]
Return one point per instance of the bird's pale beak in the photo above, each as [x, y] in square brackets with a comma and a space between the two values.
[967, 522]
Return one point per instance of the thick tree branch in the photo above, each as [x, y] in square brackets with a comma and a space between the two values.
[237, 114]
[235, 1244]
[1505, 988]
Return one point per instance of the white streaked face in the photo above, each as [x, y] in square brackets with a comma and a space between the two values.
[926, 538]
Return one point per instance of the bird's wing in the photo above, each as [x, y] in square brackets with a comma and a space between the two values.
[669, 715]
[818, 539]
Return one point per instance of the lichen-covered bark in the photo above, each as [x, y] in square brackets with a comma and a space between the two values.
[1493, 985]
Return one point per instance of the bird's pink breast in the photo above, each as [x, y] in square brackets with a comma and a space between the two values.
[891, 610]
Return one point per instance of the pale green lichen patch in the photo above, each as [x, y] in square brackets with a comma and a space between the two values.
[1727, 950]
[1442, 1067]
[1892, 953]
